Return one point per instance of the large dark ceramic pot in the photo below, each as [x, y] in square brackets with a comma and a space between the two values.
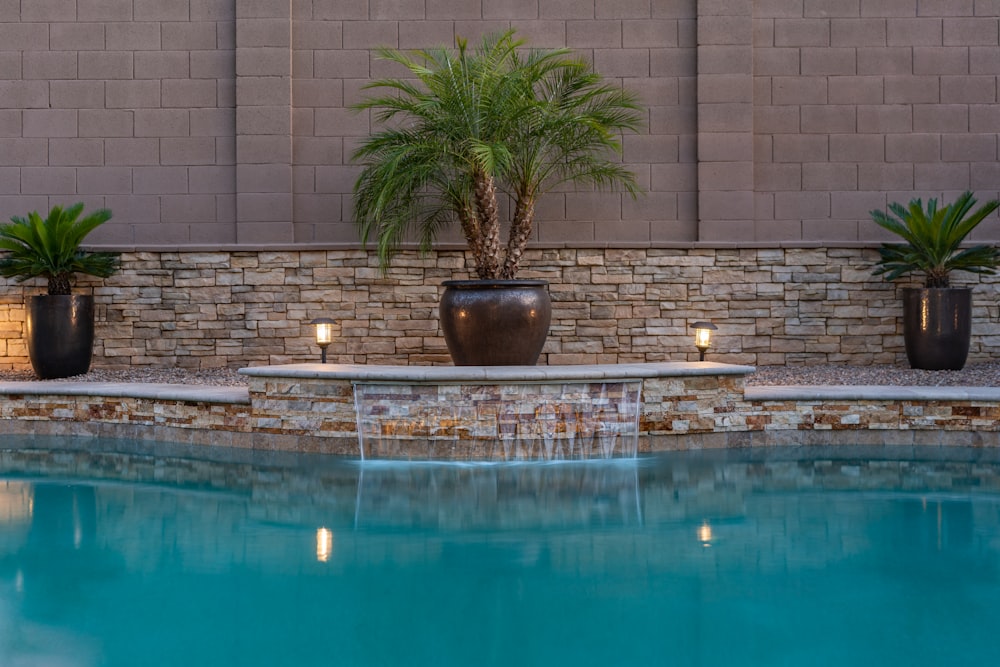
[937, 327]
[495, 322]
[60, 334]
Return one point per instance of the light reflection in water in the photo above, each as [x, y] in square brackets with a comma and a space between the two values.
[324, 544]
[705, 534]
[16, 499]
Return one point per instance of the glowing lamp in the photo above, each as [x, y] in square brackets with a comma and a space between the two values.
[703, 337]
[324, 334]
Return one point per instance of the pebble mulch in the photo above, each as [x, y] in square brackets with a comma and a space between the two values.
[973, 375]
[220, 377]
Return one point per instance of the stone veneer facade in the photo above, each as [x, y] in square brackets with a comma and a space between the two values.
[297, 414]
[233, 309]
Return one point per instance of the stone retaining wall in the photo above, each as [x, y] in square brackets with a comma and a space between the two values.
[192, 422]
[233, 309]
[956, 423]
[678, 413]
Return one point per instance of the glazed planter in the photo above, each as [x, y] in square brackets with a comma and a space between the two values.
[495, 322]
[60, 331]
[937, 327]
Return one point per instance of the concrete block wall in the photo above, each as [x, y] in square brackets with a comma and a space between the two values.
[857, 104]
[223, 124]
[128, 105]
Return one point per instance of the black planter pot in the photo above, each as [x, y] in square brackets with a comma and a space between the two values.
[495, 322]
[60, 334]
[937, 327]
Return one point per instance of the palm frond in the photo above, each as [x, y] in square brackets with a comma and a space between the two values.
[933, 238]
[526, 120]
[50, 248]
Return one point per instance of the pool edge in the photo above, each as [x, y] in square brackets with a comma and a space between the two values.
[301, 408]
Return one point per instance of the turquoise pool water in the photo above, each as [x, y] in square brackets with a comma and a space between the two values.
[803, 557]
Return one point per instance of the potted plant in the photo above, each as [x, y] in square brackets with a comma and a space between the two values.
[472, 127]
[60, 325]
[937, 318]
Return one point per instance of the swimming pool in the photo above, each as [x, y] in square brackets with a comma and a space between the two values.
[758, 557]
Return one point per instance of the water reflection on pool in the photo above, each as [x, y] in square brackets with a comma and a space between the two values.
[764, 557]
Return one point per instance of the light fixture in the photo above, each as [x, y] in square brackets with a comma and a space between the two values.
[324, 334]
[703, 337]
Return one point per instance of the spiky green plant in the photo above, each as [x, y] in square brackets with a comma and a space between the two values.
[50, 248]
[933, 238]
[475, 124]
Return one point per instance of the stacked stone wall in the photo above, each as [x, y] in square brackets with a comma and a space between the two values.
[789, 306]
[297, 414]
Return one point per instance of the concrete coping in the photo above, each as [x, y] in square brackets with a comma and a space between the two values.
[479, 375]
[155, 392]
[363, 373]
[870, 393]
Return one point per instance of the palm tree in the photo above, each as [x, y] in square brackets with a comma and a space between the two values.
[50, 247]
[475, 124]
[933, 236]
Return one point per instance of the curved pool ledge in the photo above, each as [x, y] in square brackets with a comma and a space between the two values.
[187, 414]
[496, 374]
[150, 391]
[311, 408]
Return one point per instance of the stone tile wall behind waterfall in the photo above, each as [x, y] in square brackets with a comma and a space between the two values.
[773, 306]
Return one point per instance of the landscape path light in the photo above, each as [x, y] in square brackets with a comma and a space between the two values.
[703, 337]
[324, 334]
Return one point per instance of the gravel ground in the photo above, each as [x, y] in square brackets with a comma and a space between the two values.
[220, 377]
[973, 375]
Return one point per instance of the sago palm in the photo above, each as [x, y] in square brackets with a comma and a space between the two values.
[933, 238]
[475, 124]
[50, 248]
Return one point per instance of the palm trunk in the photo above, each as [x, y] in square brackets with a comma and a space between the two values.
[520, 232]
[938, 279]
[60, 284]
[473, 237]
[488, 265]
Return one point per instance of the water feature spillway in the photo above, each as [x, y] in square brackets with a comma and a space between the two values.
[517, 421]
[493, 413]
